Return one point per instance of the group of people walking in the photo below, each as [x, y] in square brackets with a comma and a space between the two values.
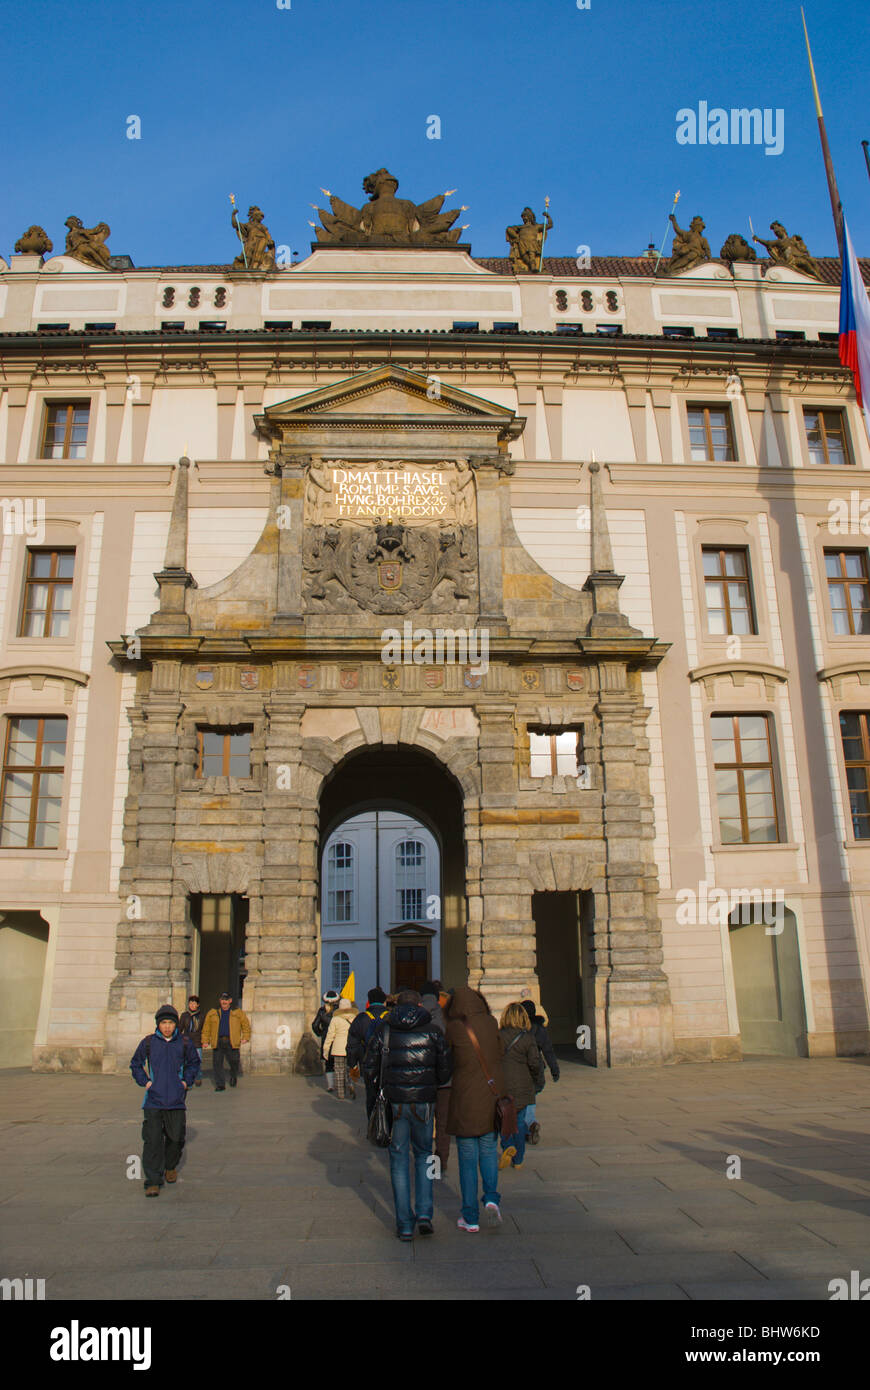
[442, 1064]
[167, 1063]
[445, 1067]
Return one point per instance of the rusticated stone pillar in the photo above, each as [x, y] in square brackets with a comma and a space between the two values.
[280, 984]
[152, 960]
[632, 997]
[507, 935]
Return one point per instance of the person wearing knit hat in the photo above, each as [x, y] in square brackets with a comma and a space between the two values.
[542, 1038]
[165, 1064]
[319, 1028]
[335, 1046]
[361, 1032]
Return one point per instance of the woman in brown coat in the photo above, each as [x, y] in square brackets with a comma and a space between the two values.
[471, 1115]
[523, 1068]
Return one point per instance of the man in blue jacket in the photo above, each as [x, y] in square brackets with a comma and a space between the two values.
[173, 1066]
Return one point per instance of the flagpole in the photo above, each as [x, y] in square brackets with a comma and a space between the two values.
[836, 205]
[866, 156]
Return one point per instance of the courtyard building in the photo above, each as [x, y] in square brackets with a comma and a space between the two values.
[406, 614]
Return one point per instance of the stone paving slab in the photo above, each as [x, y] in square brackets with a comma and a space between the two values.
[627, 1192]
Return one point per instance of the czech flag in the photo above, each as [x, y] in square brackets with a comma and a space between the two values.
[855, 326]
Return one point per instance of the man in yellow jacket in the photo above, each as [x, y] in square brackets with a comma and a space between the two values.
[224, 1030]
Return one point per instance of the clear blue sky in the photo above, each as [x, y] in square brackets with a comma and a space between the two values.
[535, 97]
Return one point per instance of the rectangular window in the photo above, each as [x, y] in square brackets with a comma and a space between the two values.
[555, 753]
[224, 752]
[48, 585]
[506, 327]
[411, 904]
[848, 591]
[743, 763]
[608, 330]
[710, 433]
[856, 753]
[722, 335]
[791, 335]
[729, 591]
[65, 433]
[678, 331]
[826, 437]
[32, 790]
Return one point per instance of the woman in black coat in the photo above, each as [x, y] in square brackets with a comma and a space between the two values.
[542, 1038]
[523, 1068]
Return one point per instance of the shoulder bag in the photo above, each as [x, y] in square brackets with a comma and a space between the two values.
[380, 1128]
[506, 1122]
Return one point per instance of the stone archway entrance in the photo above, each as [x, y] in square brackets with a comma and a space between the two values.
[399, 814]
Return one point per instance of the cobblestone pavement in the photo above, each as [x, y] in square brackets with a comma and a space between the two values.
[627, 1192]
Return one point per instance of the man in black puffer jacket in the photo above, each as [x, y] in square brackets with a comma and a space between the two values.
[418, 1061]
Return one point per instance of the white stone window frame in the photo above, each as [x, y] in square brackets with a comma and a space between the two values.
[419, 872]
[41, 399]
[43, 708]
[60, 534]
[736, 533]
[329, 919]
[728, 706]
[830, 399]
[841, 645]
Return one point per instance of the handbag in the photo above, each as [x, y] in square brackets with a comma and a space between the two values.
[506, 1121]
[380, 1128]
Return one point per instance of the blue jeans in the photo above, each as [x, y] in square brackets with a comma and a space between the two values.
[519, 1139]
[412, 1130]
[482, 1151]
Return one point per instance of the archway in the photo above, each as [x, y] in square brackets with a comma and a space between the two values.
[392, 872]
[23, 946]
[768, 982]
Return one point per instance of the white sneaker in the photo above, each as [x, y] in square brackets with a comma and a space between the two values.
[493, 1214]
[465, 1226]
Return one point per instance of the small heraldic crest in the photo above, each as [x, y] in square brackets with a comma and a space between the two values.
[249, 678]
[204, 677]
[306, 677]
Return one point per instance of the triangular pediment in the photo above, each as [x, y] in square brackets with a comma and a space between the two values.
[394, 396]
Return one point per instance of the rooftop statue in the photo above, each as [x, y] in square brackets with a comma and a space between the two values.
[527, 242]
[87, 244]
[789, 251]
[690, 248]
[386, 219]
[258, 247]
[34, 242]
[737, 248]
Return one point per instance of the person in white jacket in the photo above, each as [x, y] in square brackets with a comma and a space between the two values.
[335, 1046]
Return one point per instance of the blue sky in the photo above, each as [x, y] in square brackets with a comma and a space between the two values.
[535, 97]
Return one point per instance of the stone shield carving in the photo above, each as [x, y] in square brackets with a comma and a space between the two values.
[390, 568]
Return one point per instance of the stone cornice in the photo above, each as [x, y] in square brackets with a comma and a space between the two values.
[737, 671]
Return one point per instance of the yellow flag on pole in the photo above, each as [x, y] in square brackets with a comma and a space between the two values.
[349, 987]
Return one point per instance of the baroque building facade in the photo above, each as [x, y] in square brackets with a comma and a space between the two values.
[404, 612]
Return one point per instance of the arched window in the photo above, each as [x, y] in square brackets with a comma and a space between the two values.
[410, 880]
[339, 883]
[340, 970]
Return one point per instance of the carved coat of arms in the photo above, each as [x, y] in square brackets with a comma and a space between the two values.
[389, 567]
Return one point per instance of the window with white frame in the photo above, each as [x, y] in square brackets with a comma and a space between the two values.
[340, 970]
[339, 882]
[410, 880]
[555, 752]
